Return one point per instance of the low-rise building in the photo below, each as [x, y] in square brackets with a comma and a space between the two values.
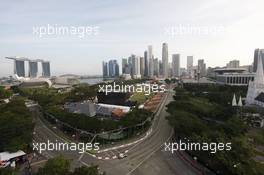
[109, 110]
[233, 76]
[85, 107]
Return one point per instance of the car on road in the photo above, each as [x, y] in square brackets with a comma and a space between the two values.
[122, 156]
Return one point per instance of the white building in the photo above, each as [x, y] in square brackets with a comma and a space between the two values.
[233, 64]
[255, 94]
[233, 76]
[9, 159]
[135, 66]
[126, 76]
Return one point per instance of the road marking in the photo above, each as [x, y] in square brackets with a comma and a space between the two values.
[149, 155]
[84, 163]
[117, 151]
[39, 162]
[161, 106]
[52, 132]
[81, 156]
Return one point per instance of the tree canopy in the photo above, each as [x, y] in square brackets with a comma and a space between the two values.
[61, 166]
[14, 118]
[203, 113]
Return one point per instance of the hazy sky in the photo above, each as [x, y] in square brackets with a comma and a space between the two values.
[236, 28]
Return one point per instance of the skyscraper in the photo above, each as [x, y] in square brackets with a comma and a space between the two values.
[146, 63]
[124, 64]
[176, 65]
[156, 67]
[165, 60]
[105, 69]
[19, 68]
[151, 61]
[189, 65]
[160, 67]
[113, 68]
[135, 66]
[258, 53]
[46, 69]
[142, 66]
[33, 69]
[201, 68]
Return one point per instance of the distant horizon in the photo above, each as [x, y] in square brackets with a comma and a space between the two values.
[77, 36]
[120, 65]
[120, 68]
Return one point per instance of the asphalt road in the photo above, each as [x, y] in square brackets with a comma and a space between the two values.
[145, 157]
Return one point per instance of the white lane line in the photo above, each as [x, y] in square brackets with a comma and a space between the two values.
[149, 156]
[150, 130]
[39, 162]
[81, 156]
[128, 144]
[85, 163]
[118, 152]
[112, 153]
[148, 133]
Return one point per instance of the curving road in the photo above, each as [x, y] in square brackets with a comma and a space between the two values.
[145, 157]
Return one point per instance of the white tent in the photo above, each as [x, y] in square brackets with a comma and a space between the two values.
[5, 156]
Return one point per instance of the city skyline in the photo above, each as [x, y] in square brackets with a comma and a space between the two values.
[132, 87]
[118, 38]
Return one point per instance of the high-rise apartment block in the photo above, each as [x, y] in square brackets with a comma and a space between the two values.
[165, 62]
[176, 65]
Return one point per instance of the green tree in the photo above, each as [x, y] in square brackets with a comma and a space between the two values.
[4, 93]
[55, 166]
[61, 166]
[14, 118]
[93, 170]
[7, 171]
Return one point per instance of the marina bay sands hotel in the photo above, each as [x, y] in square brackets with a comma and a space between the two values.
[19, 67]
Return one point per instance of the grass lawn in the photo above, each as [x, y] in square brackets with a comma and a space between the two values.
[140, 97]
